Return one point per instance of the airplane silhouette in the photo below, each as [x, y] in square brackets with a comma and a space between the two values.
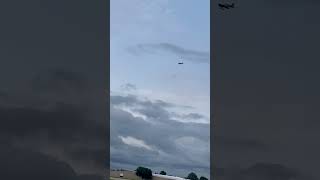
[180, 63]
[226, 6]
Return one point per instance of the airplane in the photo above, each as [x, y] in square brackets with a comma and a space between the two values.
[180, 63]
[226, 6]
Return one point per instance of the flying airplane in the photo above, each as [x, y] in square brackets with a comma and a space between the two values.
[226, 6]
[180, 63]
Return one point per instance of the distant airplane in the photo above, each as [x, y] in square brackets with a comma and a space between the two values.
[226, 6]
[180, 63]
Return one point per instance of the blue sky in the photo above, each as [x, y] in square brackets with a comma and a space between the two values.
[148, 39]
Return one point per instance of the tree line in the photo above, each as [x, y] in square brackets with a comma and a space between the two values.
[146, 173]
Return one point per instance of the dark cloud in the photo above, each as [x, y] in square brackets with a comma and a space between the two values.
[185, 54]
[133, 100]
[128, 100]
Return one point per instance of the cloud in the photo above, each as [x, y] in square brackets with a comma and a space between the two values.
[191, 117]
[184, 54]
[178, 147]
[155, 109]
[128, 87]
[131, 141]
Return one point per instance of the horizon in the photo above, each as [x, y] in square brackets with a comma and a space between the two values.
[157, 173]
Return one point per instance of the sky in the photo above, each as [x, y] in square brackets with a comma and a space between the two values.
[160, 111]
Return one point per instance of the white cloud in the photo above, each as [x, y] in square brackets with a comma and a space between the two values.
[131, 141]
[132, 112]
[164, 144]
[184, 119]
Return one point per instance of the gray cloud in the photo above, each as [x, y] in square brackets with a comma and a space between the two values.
[184, 54]
[191, 116]
[162, 133]
[131, 100]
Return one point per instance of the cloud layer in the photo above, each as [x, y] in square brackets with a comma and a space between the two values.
[168, 48]
[156, 139]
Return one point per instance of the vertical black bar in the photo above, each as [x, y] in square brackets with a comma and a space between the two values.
[54, 92]
[107, 62]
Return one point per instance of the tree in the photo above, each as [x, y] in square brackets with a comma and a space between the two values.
[163, 173]
[192, 176]
[144, 173]
[203, 178]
